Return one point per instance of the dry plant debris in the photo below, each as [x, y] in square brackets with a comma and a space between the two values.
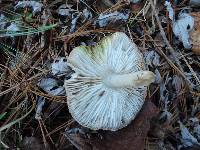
[195, 34]
[36, 39]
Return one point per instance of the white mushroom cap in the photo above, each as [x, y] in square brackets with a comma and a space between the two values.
[108, 88]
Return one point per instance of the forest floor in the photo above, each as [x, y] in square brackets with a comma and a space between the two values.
[36, 38]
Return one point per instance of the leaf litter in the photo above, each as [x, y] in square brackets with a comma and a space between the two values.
[35, 40]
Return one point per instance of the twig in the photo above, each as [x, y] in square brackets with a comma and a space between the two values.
[17, 120]
[179, 69]
[61, 127]
[9, 90]
[191, 70]
[43, 136]
[47, 132]
[82, 33]
[19, 84]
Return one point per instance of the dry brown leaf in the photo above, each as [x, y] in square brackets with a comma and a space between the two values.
[195, 33]
[131, 137]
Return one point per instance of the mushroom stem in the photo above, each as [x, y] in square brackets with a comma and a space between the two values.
[136, 79]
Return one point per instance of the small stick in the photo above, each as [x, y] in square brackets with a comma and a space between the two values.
[47, 132]
[191, 70]
[181, 72]
[44, 139]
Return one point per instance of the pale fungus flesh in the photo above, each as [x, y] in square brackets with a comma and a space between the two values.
[109, 85]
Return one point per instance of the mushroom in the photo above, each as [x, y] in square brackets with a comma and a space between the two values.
[109, 85]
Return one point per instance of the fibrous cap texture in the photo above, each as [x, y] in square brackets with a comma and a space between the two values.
[91, 102]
